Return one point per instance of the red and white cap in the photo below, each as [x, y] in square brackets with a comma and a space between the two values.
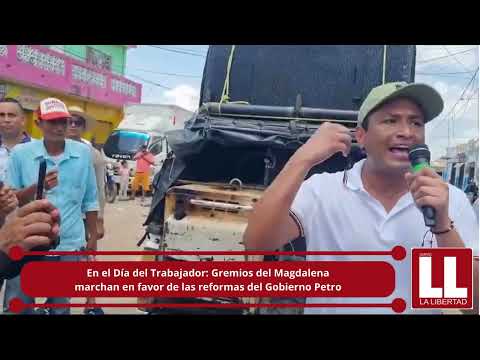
[51, 109]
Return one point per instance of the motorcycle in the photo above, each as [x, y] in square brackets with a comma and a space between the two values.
[110, 185]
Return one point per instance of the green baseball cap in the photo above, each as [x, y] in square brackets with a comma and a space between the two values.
[429, 100]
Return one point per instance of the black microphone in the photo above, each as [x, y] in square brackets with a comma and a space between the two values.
[419, 156]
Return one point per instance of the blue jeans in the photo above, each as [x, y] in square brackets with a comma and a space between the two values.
[13, 290]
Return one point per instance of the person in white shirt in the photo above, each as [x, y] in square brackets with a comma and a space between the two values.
[377, 206]
[124, 178]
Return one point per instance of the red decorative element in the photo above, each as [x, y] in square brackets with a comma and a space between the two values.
[211, 305]
[399, 253]
[16, 253]
[16, 305]
[399, 305]
[166, 253]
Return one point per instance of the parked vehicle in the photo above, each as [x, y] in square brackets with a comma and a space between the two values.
[143, 124]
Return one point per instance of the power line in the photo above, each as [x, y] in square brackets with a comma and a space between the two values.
[178, 51]
[461, 97]
[455, 58]
[443, 75]
[451, 112]
[168, 74]
[446, 56]
[158, 85]
[467, 102]
[462, 111]
[446, 73]
[189, 50]
[150, 82]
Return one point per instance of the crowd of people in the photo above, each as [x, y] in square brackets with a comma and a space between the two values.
[74, 189]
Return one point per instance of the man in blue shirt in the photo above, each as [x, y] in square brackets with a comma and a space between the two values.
[74, 191]
[12, 123]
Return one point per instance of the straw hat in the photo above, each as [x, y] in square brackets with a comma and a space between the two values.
[90, 122]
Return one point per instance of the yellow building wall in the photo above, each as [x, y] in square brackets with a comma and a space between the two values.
[108, 117]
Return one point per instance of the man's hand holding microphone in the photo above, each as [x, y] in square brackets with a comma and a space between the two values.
[428, 189]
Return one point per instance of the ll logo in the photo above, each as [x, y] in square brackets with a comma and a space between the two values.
[442, 278]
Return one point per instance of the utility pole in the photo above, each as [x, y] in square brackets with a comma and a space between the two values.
[448, 137]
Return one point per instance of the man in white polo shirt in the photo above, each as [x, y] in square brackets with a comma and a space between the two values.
[377, 207]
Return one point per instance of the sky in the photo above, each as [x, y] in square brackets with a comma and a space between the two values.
[171, 74]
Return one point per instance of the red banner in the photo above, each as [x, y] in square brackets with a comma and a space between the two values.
[208, 279]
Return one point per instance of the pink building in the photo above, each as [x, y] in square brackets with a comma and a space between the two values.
[90, 76]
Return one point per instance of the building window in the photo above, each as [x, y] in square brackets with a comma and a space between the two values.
[123, 88]
[88, 76]
[3, 90]
[40, 60]
[99, 59]
[3, 50]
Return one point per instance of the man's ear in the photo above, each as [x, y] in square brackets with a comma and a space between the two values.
[360, 133]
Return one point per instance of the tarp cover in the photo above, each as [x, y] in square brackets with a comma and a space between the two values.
[218, 149]
[326, 76]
